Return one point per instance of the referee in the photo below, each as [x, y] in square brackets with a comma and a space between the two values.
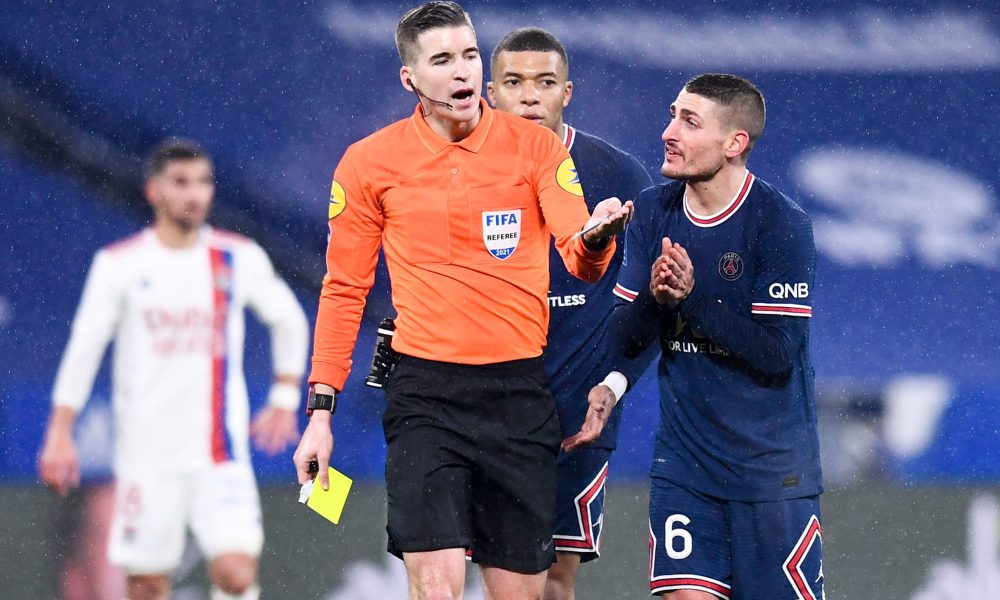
[463, 201]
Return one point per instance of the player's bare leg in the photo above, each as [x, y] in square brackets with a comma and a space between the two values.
[500, 584]
[560, 582]
[148, 587]
[436, 575]
[234, 574]
[89, 574]
[688, 595]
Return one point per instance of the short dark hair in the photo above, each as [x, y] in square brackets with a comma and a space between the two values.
[742, 103]
[433, 15]
[170, 150]
[529, 39]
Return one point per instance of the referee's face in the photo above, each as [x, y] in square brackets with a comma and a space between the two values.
[447, 74]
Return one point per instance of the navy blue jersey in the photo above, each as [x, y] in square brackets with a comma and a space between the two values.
[576, 358]
[737, 407]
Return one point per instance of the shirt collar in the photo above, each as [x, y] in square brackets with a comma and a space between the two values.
[729, 210]
[473, 142]
[569, 136]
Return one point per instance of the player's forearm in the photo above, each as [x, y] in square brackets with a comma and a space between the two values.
[768, 350]
[633, 329]
[91, 332]
[61, 421]
[633, 367]
[78, 369]
[286, 391]
[289, 334]
[288, 379]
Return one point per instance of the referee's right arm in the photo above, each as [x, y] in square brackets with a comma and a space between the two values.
[356, 223]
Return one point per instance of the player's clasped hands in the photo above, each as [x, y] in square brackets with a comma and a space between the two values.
[672, 276]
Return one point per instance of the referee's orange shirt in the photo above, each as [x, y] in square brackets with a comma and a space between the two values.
[465, 230]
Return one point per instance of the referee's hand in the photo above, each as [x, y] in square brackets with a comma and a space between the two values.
[316, 445]
[601, 401]
[609, 218]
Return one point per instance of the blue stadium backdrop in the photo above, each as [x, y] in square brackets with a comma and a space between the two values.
[882, 123]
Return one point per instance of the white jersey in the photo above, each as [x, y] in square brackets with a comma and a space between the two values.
[177, 319]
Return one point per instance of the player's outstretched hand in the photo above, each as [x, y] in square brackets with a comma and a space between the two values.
[672, 275]
[610, 218]
[274, 429]
[58, 464]
[601, 401]
[316, 445]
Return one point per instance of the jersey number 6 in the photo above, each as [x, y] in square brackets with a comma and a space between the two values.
[671, 533]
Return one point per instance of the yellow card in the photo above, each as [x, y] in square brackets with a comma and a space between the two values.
[330, 503]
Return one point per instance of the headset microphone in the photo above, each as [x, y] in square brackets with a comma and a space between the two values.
[425, 97]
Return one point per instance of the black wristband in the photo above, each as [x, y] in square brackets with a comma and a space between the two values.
[601, 244]
[321, 402]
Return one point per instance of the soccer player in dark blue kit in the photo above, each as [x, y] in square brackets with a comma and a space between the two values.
[719, 266]
[530, 78]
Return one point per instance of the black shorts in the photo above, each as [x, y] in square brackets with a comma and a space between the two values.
[471, 461]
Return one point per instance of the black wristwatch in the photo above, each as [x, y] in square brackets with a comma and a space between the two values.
[597, 246]
[321, 402]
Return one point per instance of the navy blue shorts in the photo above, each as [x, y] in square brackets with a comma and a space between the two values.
[471, 461]
[580, 501]
[734, 550]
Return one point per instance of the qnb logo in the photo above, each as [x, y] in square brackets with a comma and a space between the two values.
[879, 207]
[782, 291]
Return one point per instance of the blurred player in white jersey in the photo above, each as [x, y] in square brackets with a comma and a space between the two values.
[173, 297]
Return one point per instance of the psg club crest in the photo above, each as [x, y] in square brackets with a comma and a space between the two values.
[501, 232]
[731, 266]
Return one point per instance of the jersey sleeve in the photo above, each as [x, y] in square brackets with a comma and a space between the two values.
[767, 338]
[560, 195]
[635, 319]
[270, 298]
[641, 249]
[356, 223]
[786, 258]
[96, 320]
